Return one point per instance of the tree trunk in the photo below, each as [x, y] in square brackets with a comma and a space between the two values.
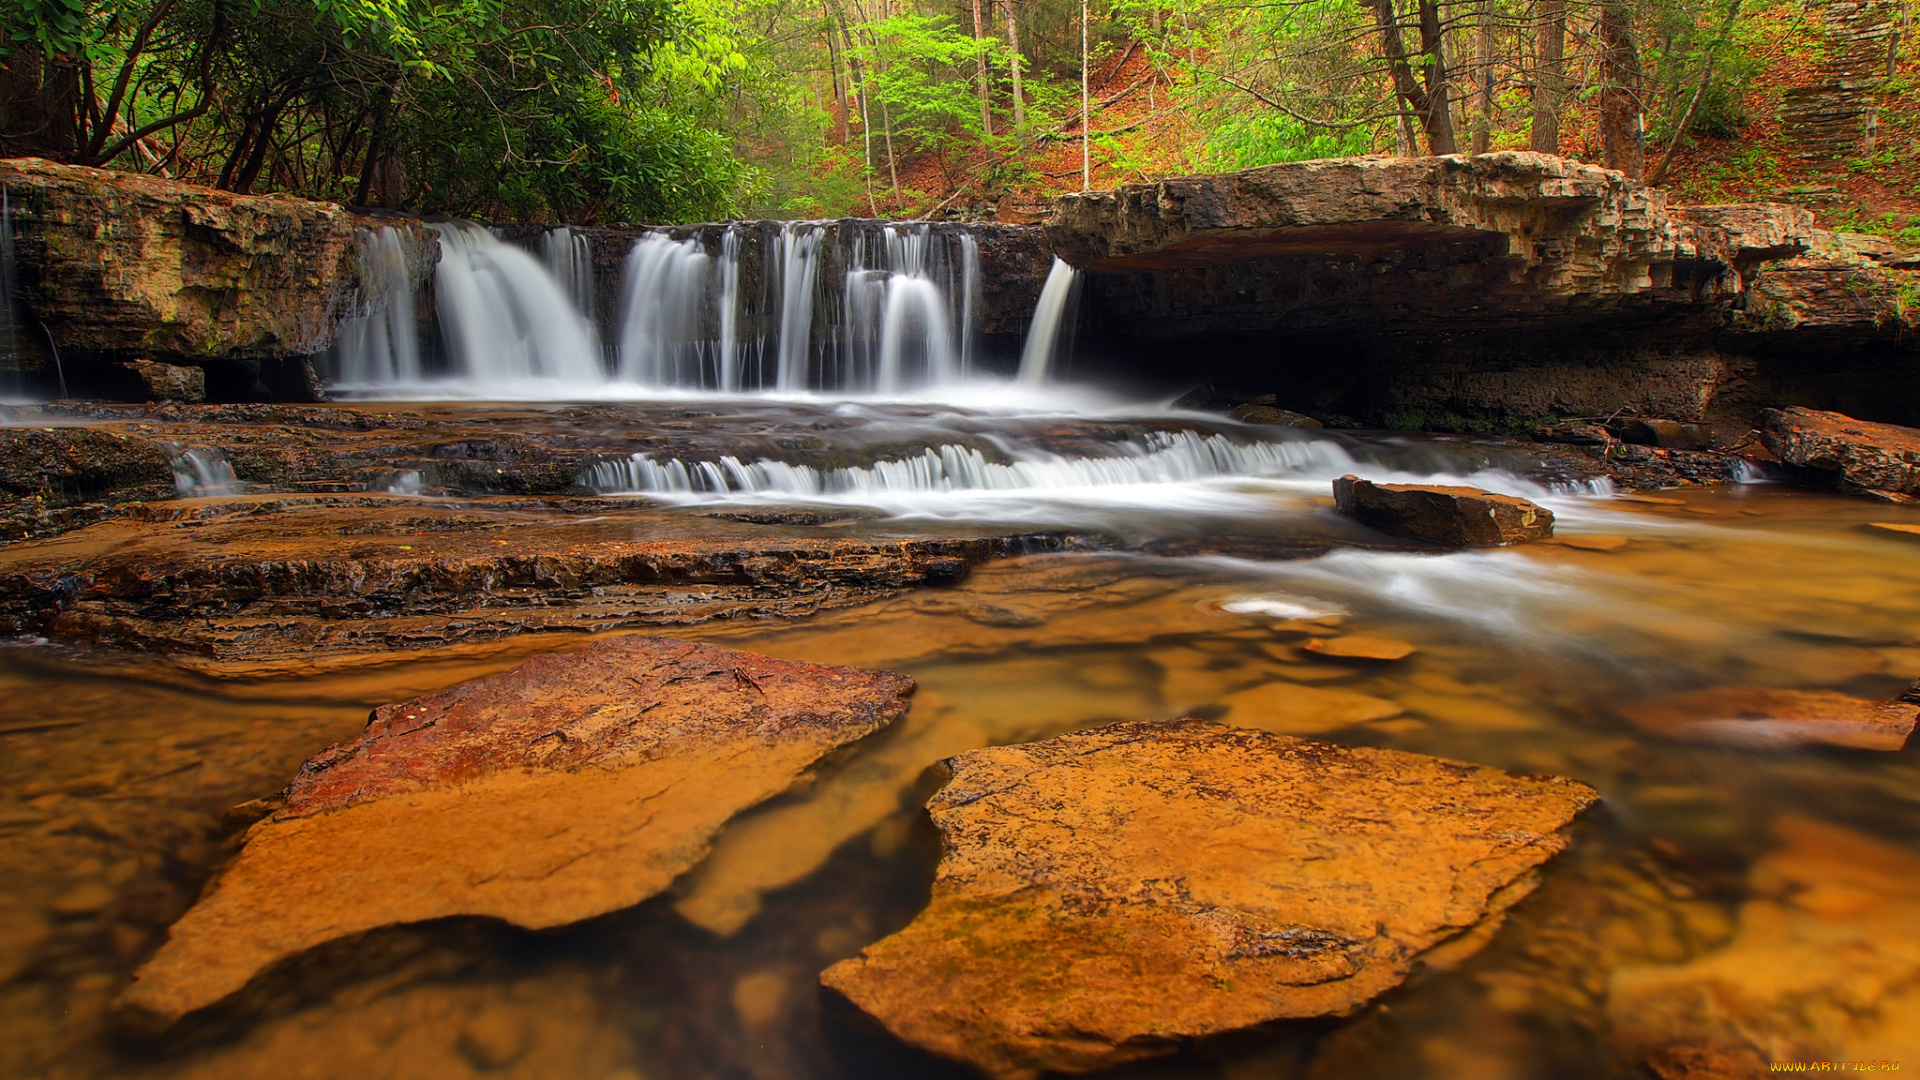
[980, 77]
[1086, 126]
[1425, 98]
[1483, 77]
[1622, 121]
[1014, 63]
[1549, 75]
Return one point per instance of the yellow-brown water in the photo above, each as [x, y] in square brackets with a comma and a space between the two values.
[1800, 868]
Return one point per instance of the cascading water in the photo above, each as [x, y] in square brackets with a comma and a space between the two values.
[381, 345]
[569, 258]
[731, 356]
[834, 307]
[662, 339]
[202, 470]
[1159, 458]
[799, 250]
[1052, 318]
[504, 318]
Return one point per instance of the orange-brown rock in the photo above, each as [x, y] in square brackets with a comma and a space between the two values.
[1107, 894]
[1439, 514]
[1881, 460]
[1756, 716]
[573, 785]
[1361, 647]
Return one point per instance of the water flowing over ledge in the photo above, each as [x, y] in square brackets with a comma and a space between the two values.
[835, 308]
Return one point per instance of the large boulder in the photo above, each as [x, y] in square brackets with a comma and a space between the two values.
[120, 266]
[1108, 894]
[1881, 460]
[1441, 514]
[573, 785]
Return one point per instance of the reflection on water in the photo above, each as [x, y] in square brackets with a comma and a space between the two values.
[1720, 894]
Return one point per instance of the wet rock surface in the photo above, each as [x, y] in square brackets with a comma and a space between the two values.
[1449, 516]
[576, 784]
[1880, 460]
[1107, 894]
[1777, 719]
[249, 584]
[124, 266]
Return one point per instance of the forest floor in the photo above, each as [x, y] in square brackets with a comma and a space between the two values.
[1142, 134]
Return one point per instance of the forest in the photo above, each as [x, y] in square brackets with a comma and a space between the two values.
[601, 111]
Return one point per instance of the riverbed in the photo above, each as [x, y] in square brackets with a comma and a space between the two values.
[1199, 595]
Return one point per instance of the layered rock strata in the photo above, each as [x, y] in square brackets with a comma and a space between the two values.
[1108, 894]
[1448, 291]
[122, 266]
[573, 785]
[1879, 460]
[1446, 515]
[252, 584]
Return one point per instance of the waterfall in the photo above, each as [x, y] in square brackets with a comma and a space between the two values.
[201, 470]
[969, 299]
[799, 248]
[661, 337]
[1050, 317]
[504, 317]
[905, 320]
[381, 344]
[732, 358]
[569, 258]
[797, 307]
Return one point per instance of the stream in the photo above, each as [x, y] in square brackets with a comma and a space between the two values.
[1216, 560]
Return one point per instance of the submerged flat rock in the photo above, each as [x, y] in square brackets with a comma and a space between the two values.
[1107, 894]
[1760, 717]
[573, 785]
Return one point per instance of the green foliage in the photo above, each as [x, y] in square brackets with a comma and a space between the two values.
[922, 67]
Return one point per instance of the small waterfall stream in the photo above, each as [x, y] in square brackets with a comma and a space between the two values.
[505, 318]
[381, 345]
[1052, 320]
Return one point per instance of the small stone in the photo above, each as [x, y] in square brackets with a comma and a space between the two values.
[88, 899]
[1272, 417]
[495, 1037]
[1574, 434]
[1293, 709]
[758, 998]
[1450, 516]
[150, 381]
[1666, 434]
[1361, 647]
[1767, 719]
[1896, 527]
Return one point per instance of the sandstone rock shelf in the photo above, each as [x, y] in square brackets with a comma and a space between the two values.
[573, 785]
[1107, 894]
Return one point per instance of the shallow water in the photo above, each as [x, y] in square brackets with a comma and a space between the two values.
[115, 772]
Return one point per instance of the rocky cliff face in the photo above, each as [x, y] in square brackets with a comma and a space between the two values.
[1500, 287]
[119, 266]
